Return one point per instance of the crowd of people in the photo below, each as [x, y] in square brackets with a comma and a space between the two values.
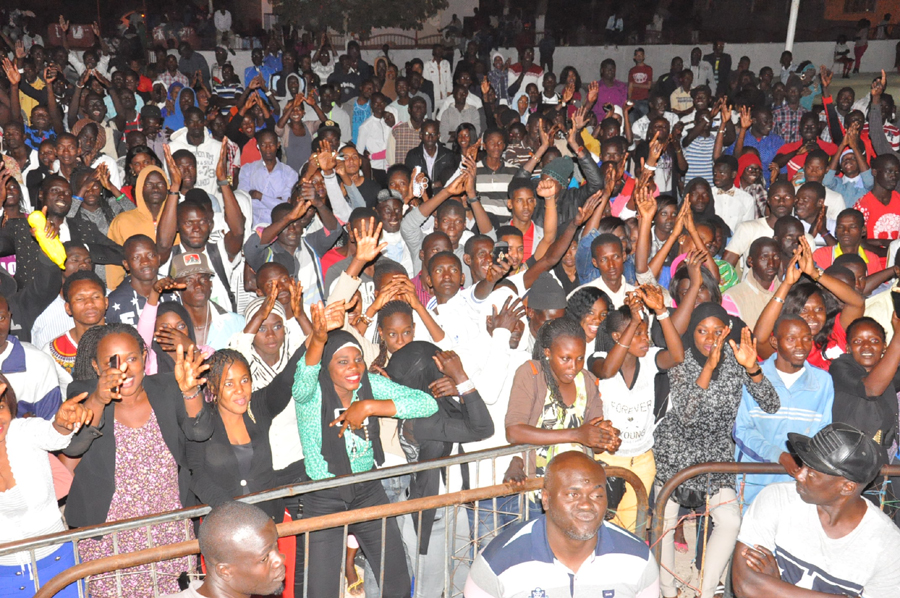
[217, 283]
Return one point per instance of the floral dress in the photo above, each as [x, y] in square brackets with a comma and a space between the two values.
[146, 483]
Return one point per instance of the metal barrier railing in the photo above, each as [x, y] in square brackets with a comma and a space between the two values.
[658, 531]
[456, 557]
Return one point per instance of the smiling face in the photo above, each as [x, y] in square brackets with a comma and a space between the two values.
[235, 388]
[575, 499]
[346, 369]
[566, 358]
[480, 259]
[57, 198]
[792, 341]
[866, 345]
[391, 213]
[709, 331]
[516, 252]
[591, 321]
[130, 354]
[814, 312]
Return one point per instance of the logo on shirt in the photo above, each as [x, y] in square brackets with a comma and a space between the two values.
[609, 594]
[191, 259]
[538, 593]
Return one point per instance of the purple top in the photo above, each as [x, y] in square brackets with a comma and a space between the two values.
[615, 95]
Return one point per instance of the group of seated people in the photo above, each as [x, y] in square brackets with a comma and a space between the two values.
[201, 302]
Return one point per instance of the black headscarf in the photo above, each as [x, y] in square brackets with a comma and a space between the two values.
[711, 310]
[413, 366]
[164, 362]
[334, 449]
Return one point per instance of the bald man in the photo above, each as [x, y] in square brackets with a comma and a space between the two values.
[538, 557]
[240, 545]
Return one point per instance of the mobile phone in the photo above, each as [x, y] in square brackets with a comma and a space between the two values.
[114, 364]
[500, 251]
[340, 411]
[418, 188]
[608, 107]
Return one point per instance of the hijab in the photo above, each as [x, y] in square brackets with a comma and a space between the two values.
[262, 372]
[334, 449]
[744, 162]
[711, 310]
[175, 120]
[412, 366]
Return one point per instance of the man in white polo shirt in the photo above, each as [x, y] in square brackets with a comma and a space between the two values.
[569, 551]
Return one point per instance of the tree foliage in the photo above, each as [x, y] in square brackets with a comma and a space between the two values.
[357, 16]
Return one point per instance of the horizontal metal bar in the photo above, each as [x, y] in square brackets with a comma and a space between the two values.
[281, 492]
[705, 468]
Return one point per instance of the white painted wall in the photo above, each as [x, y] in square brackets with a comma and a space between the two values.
[586, 59]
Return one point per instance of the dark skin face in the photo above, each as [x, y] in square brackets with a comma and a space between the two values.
[188, 169]
[430, 135]
[723, 176]
[765, 263]
[130, 355]
[452, 223]
[86, 302]
[814, 313]
[198, 289]
[391, 213]
[256, 57]
[887, 175]
[781, 199]
[709, 331]
[537, 318]
[479, 260]
[809, 128]
[268, 148]
[844, 101]
[815, 169]
[566, 358]
[495, 146]
[793, 342]
[194, 225]
[397, 330]
[155, 189]
[609, 258]
[866, 345]
[789, 239]
[762, 123]
[142, 261]
[433, 246]
[808, 204]
[445, 276]
[57, 198]
[848, 231]
[684, 286]
[575, 501]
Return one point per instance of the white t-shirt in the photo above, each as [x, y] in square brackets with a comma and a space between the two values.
[864, 562]
[631, 409]
[746, 233]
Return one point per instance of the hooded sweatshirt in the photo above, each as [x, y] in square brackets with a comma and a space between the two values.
[134, 222]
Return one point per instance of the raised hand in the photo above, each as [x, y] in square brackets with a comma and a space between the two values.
[174, 172]
[568, 93]
[63, 24]
[367, 246]
[745, 354]
[746, 118]
[12, 73]
[72, 415]
[715, 354]
[319, 325]
[296, 291]
[657, 145]
[221, 164]
[826, 77]
[109, 383]
[442, 387]
[593, 92]
[547, 188]
[326, 157]
[807, 264]
[508, 317]
[485, 86]
[695, 260]
[189, 368]
[653, 297]
[879, 85]
[587, 210]
[334, 314]
[646, 203]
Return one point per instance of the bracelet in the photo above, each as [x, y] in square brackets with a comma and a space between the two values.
[223, 182]
[650, 168]
[175, 193]
[476, 199]
[778, 300]
[819, 272]
[756, 373]
[621, 345]
[662, 316]
[121, 197]
[465, 387]
[193, 396]
[365, 319]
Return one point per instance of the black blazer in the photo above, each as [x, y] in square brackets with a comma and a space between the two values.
[215, 475]
[94, 484]
[15, 238]
[468, 421]
[445, 159]
[723, 74]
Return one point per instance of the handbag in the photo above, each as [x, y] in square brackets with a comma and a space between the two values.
[689, 498]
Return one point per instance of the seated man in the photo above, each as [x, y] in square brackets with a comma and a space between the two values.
[732, 204]
[848, 230]
[818, 537]
[239, 543]
[806, 395]
[538, 557]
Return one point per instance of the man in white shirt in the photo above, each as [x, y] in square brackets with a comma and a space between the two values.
[222, 21]
[702, 70]
[374, 134]
[437, 70]
[608, 256]
[732, 204]
[819, 537]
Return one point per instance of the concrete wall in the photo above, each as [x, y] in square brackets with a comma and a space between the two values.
[586, 59]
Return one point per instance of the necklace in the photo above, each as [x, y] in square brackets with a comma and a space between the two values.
[201, 332]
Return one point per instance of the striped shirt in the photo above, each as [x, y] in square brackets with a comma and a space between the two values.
[699, 156]
[493, 185]
[519, 563]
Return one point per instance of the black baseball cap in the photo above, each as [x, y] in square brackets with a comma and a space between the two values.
[839, 449]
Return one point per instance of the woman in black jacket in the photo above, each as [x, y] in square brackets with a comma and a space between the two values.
[462, 417]
[237, 459]
[133, 459]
